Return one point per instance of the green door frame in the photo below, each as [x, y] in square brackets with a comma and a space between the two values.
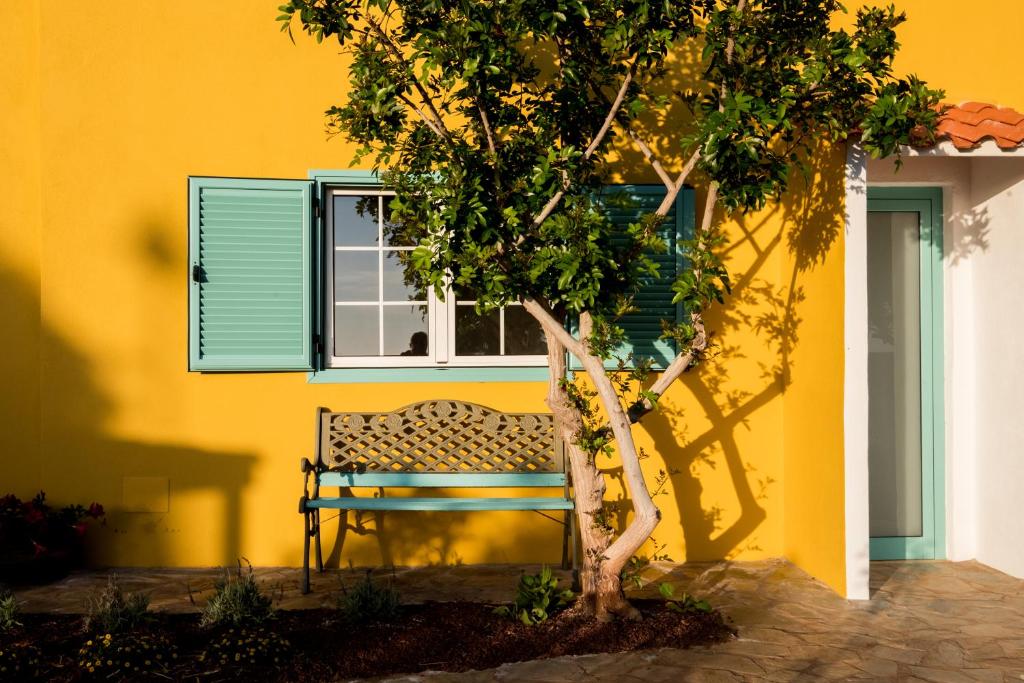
[927, 203]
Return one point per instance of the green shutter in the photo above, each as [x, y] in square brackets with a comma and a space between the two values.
[643, 328]
[250, 274]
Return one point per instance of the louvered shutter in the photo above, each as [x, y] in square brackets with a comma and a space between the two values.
[251, 272]
[654, 300]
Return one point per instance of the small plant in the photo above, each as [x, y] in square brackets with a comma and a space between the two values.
[33, 533]
[256, 647]
[368, 602]
[126, 656]
[20, 662]
[114, 611]
[237, 600]
[537, 598]
[685, 604]
[8, 611]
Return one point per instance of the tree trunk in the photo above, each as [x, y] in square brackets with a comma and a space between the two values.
[602, 560]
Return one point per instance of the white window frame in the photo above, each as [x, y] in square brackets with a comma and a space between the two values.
[440, 314]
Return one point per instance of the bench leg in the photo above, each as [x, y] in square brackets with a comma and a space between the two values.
[574, 544]
[319, 552]
[565, 539]
[305, 551]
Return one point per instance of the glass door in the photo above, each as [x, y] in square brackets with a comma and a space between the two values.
[905, 425]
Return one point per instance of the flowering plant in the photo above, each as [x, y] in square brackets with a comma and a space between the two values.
[32, 530]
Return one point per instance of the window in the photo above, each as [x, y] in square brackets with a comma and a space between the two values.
[307, 275]
[376, 317]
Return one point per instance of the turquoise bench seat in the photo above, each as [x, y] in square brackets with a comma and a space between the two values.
[441, 504]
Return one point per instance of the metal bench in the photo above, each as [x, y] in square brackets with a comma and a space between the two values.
[434, 444]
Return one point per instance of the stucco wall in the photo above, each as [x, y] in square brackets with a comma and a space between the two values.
[116, 105]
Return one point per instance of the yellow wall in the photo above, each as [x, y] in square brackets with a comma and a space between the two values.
[108, 108]
[19, 251]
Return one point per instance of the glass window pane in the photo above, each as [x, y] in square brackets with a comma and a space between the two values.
[894, 374]
[405, 331]
[476, 335]
[393, 232]
[398, 281]
[356, 331]
[523, 334]
[355, 276]
[355, 220]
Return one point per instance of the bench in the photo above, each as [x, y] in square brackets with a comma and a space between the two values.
[429, 445]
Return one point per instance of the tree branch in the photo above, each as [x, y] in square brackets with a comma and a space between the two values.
[651, 159]
[396, 53]
[589, 152]
[487, 128]
[682, 362]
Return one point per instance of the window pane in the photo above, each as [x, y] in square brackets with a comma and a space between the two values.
[356, 330]
[523, 334]
[476, 335]
[405, 331]
[355, 221]
[393, 232]
[398, 283]
[355, 276]
[894, 374]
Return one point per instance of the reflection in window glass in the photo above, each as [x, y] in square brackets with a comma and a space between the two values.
[405, 331]
[393, 233]
[356, 330]
[355, 276]
[398, 281]
[477, 335]
[523, 334]
[355, 221]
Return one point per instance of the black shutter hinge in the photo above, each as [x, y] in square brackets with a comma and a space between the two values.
[318, 344]
[316, 209]
[197, 273]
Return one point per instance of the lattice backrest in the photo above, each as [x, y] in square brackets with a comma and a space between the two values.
[440, 436]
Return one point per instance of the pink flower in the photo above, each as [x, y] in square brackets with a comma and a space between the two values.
[95, 510]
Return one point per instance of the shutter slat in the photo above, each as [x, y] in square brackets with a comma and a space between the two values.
[252, 242]
[625, 205]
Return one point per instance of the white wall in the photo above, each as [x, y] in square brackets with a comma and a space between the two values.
[984, 344]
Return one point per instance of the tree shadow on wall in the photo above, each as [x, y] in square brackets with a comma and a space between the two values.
[808, 222]
[58, 418]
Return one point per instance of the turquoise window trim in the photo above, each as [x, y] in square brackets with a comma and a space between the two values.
[345, 177]
[427, 375]
[928, 202]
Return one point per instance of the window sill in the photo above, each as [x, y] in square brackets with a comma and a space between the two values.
[414, 375]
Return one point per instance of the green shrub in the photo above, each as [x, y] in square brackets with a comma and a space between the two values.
[537, 598]
[114, 611]
[368, 602]
[131, 656]
[8, 611]
[245, 647]
[237, 600]
[20, 663]
[686, 604]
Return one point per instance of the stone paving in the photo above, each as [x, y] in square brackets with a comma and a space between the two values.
[926, 621]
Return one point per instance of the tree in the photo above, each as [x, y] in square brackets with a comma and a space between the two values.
[493, 121]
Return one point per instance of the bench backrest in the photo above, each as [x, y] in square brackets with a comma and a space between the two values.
[439, 443]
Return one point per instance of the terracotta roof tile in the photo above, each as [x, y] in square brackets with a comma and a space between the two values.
[968, 125]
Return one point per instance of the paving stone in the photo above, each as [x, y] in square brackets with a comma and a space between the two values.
[934, 622]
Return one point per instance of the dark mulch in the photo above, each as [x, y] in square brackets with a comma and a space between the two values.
[437, 636]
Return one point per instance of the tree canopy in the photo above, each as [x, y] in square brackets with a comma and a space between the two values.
[496, 122]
